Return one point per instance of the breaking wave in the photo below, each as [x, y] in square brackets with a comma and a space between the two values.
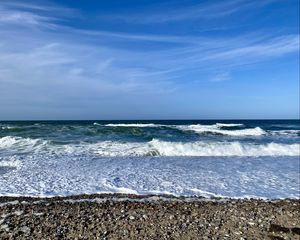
[153, 148]
[10, 141]
[229, 124]
[19, 144]
[135, 125]
[223, 149]
[163, 148]
[216, 129]
[7, 127]
[225, 129]
[286, 132]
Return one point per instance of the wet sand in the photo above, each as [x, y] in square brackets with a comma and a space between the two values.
[123, 216]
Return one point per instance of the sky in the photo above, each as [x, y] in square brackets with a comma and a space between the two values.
[138, 59]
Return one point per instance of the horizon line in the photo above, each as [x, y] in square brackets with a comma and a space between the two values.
[204, 119]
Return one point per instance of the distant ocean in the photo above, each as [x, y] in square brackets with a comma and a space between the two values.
[236, 158]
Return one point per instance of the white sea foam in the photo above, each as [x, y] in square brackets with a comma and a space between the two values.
[164, 148]
[144, 125]
[229, 124]
[18, 145]
[286, 132]
[9, 141]
[10, 163]
[223, 149]
[215, 129]
[227, 177]
[115, 189]
[206, 194]
[153, 148]
[7, 127]
[119, 149]
[141, 125]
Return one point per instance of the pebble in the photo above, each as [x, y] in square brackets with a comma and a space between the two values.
[136, 219]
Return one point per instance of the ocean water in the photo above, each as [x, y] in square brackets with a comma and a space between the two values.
[223, 158]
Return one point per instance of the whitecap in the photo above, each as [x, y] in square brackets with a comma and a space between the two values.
[229, 124]
[164, 148]
[198, 128]
[286, 132]
[7, 127]
[153, 148]
[21, 144]
[141, 125]
[223, 149]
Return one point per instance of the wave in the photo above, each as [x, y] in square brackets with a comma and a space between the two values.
[223, 149]
[286, 126]
[9, 141]
[286, 132]
[172, 149]
[218, 125]
[154, 147]
[229, 124]
[214, 129]
[141, 125]
[217, 128]
[19, 144]
[199, 128]
[7, 127]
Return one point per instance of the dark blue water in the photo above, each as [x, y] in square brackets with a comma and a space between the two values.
[281, 131]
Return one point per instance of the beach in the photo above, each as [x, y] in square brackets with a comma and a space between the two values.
[123, 216]
[160, 119]
[150, 179]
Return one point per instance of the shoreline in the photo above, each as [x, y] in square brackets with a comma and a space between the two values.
[119, 196]
[121, 216]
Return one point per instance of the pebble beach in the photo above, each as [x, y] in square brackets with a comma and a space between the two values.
[124, 216]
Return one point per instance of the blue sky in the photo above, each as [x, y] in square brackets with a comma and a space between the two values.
[149, 59]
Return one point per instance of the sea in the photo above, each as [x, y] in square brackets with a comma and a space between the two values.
[203, 158]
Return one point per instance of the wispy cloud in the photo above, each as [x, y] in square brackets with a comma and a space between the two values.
[32, 15]
[22, 18]
[84, 67]
[191, 51]
[274, 47]
[32, 6]
[220, 77]
[205, 10]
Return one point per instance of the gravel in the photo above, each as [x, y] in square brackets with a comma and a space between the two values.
[121, 216]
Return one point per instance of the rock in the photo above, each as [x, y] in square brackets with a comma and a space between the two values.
[296, 230]
[25, 230]
[278, 228]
